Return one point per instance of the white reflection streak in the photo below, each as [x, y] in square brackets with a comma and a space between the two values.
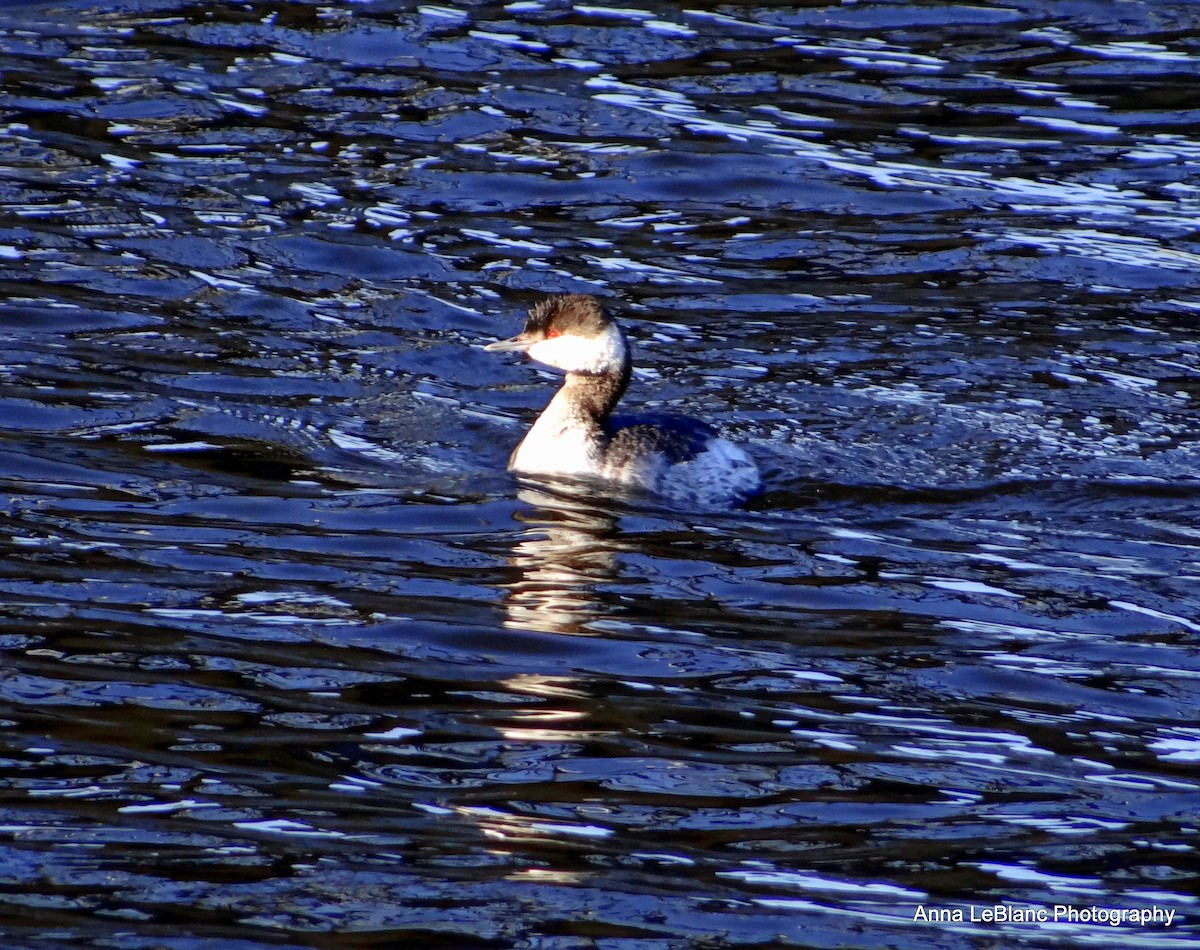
[285, 826]
[814, 881]
[509, 825]
[1151, 612]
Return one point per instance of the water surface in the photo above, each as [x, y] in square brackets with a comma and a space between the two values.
[290, 660]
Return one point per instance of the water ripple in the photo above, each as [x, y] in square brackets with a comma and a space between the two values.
[288, 653]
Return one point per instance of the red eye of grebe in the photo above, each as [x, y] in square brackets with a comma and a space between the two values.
[552, 333]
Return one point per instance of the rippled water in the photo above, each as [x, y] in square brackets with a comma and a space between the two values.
[289, 659]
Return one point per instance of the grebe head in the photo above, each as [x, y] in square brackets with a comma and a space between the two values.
[570, 332]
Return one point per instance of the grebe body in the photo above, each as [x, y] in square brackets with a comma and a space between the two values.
[578, 436]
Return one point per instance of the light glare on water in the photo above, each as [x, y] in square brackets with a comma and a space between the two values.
[291, 660]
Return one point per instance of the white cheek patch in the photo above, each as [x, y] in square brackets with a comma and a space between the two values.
[575, 354]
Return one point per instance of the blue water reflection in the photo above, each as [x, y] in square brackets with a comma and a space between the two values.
[289, 658]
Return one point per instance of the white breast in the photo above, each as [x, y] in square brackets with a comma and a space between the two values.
[557, 445]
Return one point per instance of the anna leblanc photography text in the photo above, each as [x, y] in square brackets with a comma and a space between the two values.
[1057, 913]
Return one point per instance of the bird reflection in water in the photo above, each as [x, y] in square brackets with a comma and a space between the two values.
[568, 546]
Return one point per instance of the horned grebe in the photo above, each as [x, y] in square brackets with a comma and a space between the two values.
[679, 458]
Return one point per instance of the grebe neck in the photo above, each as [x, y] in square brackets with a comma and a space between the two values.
[595, 394]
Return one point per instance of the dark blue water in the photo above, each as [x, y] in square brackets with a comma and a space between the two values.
[290, 660]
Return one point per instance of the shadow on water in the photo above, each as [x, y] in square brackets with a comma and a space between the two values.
[290, 660]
